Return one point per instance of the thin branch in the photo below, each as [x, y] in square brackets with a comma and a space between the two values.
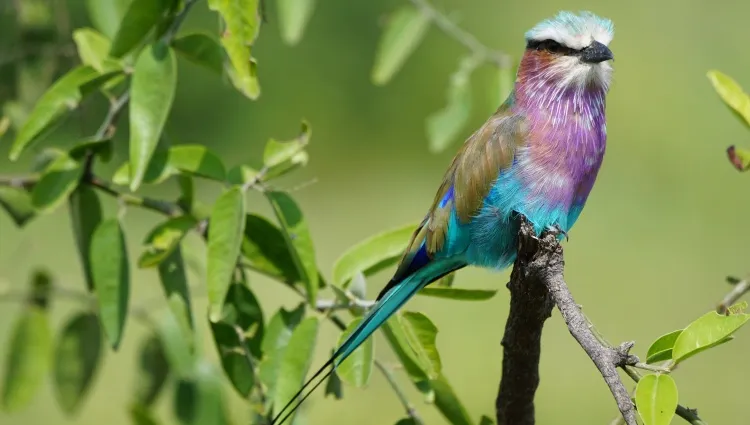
[546, 265]
[333, 305]
[164, 207]
[108, 127]
[21, 182]
[740, 288]
[479, 50]
[73, 295]
[410, 410]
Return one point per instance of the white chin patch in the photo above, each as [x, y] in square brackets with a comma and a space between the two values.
[572, 72]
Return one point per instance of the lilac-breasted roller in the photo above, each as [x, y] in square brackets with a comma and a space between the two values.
[537, 156]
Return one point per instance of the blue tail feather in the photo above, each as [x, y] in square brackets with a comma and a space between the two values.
[388, 303]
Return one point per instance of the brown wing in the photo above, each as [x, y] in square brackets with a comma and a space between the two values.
[470, 176]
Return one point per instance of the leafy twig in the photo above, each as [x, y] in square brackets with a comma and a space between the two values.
[689, 415]
[167, 208]
[479, 50]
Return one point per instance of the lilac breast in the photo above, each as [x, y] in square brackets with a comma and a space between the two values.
[566, 143]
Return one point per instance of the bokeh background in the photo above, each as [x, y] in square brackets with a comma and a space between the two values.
[666, 222]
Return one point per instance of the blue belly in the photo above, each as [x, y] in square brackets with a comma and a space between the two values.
[490, 239]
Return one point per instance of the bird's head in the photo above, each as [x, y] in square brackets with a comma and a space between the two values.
[571, 49]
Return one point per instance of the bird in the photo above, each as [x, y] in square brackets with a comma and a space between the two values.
[536, 158]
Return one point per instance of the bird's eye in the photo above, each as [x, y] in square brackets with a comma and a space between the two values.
[553, 46]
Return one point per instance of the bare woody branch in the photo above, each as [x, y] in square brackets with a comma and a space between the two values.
[541, 261]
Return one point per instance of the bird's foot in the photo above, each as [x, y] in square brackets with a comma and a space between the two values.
[556, 230]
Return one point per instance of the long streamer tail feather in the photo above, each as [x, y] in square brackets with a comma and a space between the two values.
[388, 303]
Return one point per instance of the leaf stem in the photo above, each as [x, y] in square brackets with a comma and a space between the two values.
[391, 378]
[452, 30]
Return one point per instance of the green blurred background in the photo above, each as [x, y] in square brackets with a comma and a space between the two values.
[664, 225]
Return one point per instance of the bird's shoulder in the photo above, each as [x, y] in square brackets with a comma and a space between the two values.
[467, 181]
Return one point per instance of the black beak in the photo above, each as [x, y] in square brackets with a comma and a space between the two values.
[595, 53]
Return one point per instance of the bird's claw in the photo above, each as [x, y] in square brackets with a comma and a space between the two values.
[557, 231]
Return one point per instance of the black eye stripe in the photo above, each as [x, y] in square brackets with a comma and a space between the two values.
[551, 46]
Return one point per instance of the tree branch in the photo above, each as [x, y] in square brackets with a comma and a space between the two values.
[530, 305]
[541, 260]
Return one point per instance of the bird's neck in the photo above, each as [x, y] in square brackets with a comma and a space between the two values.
[566, 124]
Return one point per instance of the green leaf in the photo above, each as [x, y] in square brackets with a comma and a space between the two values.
[153, 88]
[177, 347]
[293, 18]
[107, 14]
[656, 399]
[486, 420]
[243, 314]
[192, 159]
[28, 357]
[448, 402]
[661, 349]
[17, 203]
[709, 330]
[357, 368]
[187, 200]
[732, 94]
[406, 421]
[334, 386]
[265, 249]
[109, 269]
[93, 49]
[372, 254]
[139, 19]
[404, 31]
[140, 415]
[242, 20]
[281, 157]
[175, 285]
[445, 281]
[58, 181]
[297, 359]
[85, 216]
[4, 126]
[225, 231]
[78, 353]
[163, 240]
[152, 372]
[200, 401]
[99, 147]
[64, 96]
[201, 49]
[298, 239]
[275, 342]
[394, 331]
[240, 175]
[458, 294]
[739, 157]
[446, 125]
[197, 160]
[421, 334]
